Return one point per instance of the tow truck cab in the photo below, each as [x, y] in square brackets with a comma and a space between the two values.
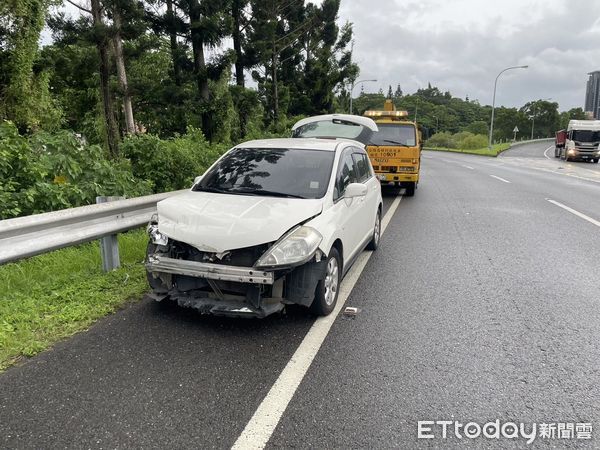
[395, 149]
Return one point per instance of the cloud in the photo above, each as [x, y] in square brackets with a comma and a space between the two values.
[461, 46]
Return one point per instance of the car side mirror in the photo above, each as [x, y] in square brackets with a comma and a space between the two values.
[355, 190]
[197, 179]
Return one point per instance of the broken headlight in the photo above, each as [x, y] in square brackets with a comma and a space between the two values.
[156, 236]
[294, 248]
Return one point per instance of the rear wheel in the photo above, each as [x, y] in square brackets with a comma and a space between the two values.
[410, 189]
[376, 233]
[327, 290]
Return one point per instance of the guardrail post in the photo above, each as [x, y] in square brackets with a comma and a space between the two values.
[109, 245]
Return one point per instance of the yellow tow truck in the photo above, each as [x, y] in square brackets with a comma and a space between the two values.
[395, 150]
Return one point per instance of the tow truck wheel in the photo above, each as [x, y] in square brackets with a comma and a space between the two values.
[410, 189]
[327, 290]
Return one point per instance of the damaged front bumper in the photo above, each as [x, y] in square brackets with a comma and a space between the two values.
[228, 290]
[157, 263]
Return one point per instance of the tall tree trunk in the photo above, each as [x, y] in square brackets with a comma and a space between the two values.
[112, 133]
[173, 41]
[198, 50]
[122, 73]
[200, 64]
[237, 42]
[275, 87]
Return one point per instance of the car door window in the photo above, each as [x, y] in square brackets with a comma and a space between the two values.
[362, 167]
[346, 174]
[370, 172]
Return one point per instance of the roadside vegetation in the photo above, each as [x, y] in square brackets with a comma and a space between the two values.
[484, 151]
[52, 296]
[464, 142]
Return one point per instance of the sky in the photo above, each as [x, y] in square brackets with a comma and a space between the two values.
[461, 45]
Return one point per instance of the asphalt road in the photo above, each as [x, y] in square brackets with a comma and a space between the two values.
[482, 303]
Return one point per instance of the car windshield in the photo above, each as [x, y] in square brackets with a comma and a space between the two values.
[586, 136]
[280, 172]
[394, 134]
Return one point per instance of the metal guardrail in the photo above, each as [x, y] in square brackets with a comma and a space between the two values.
[512, 144]
[27, 236]
[530, 141]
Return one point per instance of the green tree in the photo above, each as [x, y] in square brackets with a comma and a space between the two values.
[544, 118]
[572, 114]
[24, 94]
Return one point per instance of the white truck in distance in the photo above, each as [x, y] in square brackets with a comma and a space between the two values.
[582, 143]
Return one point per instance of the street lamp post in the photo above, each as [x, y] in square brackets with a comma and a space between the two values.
[494, 100]
[533, 115]
[352, 90]
[437, 123]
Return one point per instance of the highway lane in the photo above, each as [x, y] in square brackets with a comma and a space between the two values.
[542, 153]
[481, 304]
[488, 313]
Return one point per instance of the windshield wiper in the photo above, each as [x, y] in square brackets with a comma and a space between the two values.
[211, 189]
[264, 192]
[396, 142]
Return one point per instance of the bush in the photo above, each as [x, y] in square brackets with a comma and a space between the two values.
[170, 164]
[474, 142]
[443, 139]
[463, 140]
[46, 172]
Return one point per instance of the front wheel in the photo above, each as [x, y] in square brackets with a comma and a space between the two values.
[327, 290]
[376, 233]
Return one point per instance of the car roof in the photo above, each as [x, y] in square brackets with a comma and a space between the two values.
[299, 143]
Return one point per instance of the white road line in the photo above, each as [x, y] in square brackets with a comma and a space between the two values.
[262, 424]
[468, 167]
[546, 151]
[498, 178]
[572, 211]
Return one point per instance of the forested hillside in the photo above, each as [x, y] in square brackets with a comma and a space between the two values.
[132, 97]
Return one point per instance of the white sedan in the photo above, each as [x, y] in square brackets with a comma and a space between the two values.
[272, 222]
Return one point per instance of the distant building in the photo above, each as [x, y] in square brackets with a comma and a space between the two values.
[592, 94]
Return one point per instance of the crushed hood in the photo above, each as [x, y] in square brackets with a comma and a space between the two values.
[219, 222]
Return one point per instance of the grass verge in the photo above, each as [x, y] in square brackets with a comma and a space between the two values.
[49, 297]
[495, 151]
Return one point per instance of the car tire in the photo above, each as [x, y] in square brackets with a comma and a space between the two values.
[410, 189]
[374, 243]
[327, 291]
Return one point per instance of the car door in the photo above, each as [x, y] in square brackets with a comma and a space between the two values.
[369, 203]
[348, 210]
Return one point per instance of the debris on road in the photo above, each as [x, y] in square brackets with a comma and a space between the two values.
[350, 311]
